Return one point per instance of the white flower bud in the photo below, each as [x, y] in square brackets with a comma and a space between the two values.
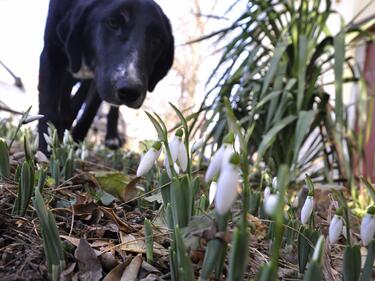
[335, 229]
[66, 138]
[174, 147]
[220, 158]
[266, 193]
[307, 209]
[148, 160]
[226, 189]
[367, 230]
[270, 205]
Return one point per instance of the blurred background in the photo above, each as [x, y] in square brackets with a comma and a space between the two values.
[22, 25]
[21, 30]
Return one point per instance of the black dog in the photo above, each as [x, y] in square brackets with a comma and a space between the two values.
[117, 49]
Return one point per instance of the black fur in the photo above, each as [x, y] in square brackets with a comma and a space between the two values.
[126, 48]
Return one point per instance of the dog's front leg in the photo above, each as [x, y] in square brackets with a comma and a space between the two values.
[84, 122]
[55, 84]
[112, 139]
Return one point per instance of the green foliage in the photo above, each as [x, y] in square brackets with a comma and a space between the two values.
[4, 159]
[51, 241]
[271, 71]
[26, 183]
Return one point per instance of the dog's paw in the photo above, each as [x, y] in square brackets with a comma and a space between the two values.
[113, 143]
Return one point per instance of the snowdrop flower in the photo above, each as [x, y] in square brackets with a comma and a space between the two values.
[67, 139]
[32, 118]
[220, 158]
[367, 230]
[266, 193]
[168, 168]
[274, 183]
[227, 185]
[335, 227]
[149, 159]
[178, 150]
[48, 141]
[270, 205]
[212, 192]
[197, 145]
[84, 152]
[307, 209]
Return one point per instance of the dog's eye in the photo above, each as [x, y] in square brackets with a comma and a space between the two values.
[114, 23]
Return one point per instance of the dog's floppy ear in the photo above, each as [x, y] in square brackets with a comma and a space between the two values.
[71, 32]
[165, 61]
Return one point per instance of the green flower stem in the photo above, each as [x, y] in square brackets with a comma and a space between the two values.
[149, 241]
[283, 179]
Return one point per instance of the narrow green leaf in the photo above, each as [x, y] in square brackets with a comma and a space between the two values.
[351, 263]
[339, 45]
[270, 136]
[313, 273]
[369, 263]
[4, 159]
[302, 64]
[278, 53]
[239, 254]
[157, 126]
[370, 188]
[304, 121]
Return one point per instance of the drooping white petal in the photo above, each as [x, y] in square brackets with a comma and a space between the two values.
[182, 157]
[227, 154]
[226, 192]
[174, 147]
[307, 209]
[335, 229]
[147, 162]
[212, 192]
[266, 193]
[270, 205]
[168, 168]
[197, 145]
[367, 230]
[215, 164]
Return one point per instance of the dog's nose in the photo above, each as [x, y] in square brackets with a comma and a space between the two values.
[128, 93]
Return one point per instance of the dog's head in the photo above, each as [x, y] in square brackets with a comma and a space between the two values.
[127, 43]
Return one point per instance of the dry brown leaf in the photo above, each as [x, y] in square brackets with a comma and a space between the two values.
[116, 273]
[84, 209]
[136, 244]
[108, 261]
[109, 213]
[130, 192]
[89, 266]
[132, 270]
